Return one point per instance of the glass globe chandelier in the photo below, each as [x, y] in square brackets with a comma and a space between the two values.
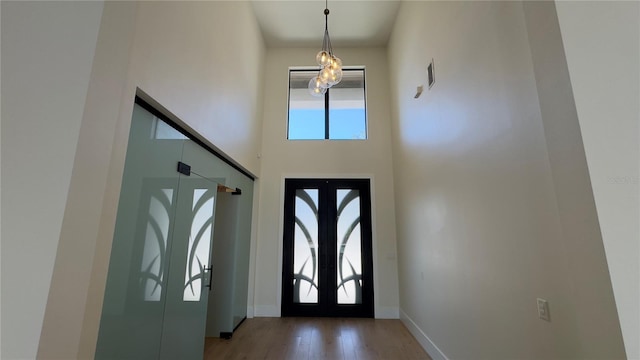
[330, 72]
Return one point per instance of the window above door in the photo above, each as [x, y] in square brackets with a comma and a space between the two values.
[340, 114]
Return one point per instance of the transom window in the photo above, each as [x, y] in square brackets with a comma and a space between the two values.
[338, 115]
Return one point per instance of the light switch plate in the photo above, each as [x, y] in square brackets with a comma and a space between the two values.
[543, 310]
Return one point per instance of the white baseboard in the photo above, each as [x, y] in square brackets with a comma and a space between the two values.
[423, 339]
[266, 311]
[387, 312]
[250, 313]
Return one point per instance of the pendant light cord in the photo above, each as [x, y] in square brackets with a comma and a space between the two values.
[326, 41]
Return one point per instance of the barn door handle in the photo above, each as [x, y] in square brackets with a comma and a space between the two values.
[209, 269]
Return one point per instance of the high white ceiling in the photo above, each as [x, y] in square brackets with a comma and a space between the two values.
[300, 23]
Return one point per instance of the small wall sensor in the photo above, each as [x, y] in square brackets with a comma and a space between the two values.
[430, 74]
[418, 91]
[543, 309]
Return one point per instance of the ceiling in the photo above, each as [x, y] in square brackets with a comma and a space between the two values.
[300, 23]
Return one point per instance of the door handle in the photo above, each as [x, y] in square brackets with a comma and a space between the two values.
[210, 270]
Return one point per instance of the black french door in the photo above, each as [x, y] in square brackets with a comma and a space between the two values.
[327, 261]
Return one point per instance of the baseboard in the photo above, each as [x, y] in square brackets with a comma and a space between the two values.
[387, 312]
[250, 312]
[266, 311]
[423, 339]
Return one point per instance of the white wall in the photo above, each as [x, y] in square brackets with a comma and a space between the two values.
[0, 178]
[593, 305]
[282, 158]
[202, 61]
[69, 296]
[481, 208]
[601, 42]
[47, 54]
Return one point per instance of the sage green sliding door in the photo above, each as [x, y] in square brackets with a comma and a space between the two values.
[159, 280]
[136, 289]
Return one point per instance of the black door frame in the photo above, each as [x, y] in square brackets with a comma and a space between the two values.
[327, 276]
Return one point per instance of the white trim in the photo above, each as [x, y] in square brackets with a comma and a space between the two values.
[423, 339]
[387, 312]
[379, 313]
[280, 245]
[266, 311]
[253, 252]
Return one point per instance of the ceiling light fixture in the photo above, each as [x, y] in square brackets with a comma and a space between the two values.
[330, 65]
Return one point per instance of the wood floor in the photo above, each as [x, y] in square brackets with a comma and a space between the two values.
[317, 338]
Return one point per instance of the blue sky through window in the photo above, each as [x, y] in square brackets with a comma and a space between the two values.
[344, 124]
[347, 124]
[306, 124]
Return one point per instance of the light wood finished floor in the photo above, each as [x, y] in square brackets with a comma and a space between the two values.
[317, 338]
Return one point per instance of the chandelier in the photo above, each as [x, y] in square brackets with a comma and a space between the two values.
[330, 65]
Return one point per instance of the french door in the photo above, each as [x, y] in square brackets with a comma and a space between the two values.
[327, 259]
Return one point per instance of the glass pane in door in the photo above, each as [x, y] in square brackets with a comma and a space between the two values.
[155, 243]
[305, 256]
[349, 245]
[198, 250]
